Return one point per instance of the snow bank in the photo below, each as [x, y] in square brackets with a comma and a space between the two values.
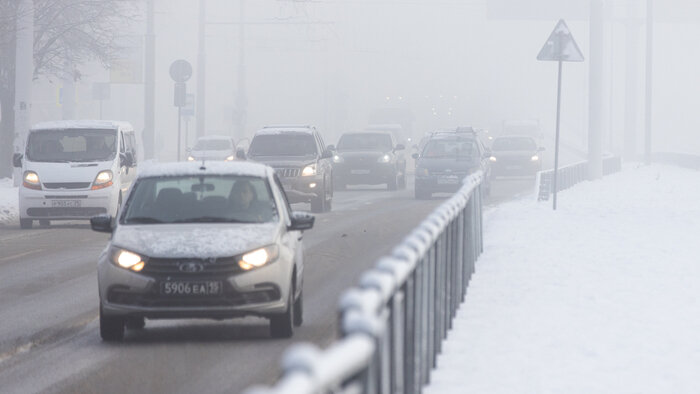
[601, 296]
[9, 209]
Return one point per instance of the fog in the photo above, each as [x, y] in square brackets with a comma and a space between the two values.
[331, 63]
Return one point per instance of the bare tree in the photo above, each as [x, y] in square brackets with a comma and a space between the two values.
[65, 32]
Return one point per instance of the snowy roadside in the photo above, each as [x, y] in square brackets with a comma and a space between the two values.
[9, 213]
[602, 295]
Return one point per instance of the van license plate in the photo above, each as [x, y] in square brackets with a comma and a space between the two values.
[65, 203]
[448, 180]
[181, 288]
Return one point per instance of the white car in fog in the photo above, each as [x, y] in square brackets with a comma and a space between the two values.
[213, 147]
[75, 170]
[215, 240]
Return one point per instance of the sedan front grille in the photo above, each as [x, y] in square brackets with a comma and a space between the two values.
[191, 267]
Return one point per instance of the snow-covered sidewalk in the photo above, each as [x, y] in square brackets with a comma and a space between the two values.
[9, 211]
[601, 296]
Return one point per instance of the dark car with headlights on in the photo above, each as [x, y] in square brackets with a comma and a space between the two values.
[446, 159]
[202, 241]
[302, 161]
[369, 158]
[515, 155]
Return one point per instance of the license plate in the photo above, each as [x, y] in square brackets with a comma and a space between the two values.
[447, 180]
[359, 172]
[65, 203]
[178, 288]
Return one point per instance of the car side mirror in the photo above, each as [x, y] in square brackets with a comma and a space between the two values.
[400, 147]
[540, 149]
[415, 156]
[240, 154]
[101, 223]
[17, 160]
[327, 154]
[301, 221]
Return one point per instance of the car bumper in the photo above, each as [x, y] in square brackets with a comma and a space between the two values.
[365, 175]
[261, 292]
[67, 204]
[302, 188]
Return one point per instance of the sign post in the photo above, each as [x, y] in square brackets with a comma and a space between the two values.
[560, 47]
[180, 72]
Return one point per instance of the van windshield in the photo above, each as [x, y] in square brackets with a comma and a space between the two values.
[72, 145]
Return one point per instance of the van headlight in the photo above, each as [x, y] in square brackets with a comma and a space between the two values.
[102, 180]
[127, 260]
[309, 170]
[258, 257]
[31, 180]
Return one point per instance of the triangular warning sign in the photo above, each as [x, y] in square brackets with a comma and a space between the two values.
[561, 46]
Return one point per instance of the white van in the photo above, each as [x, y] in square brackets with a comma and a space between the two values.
[75, 170]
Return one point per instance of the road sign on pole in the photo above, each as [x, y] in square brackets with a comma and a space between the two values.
[180, 72]
[560, 47]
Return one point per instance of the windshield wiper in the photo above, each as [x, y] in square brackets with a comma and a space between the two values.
[143, 219]
[210, 219]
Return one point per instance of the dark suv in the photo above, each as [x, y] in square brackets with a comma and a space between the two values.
[300, 159]
[369, 158]
[446, 159]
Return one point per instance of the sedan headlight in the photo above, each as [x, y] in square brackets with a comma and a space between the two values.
[493, 159]
[31, 180]
[102, 180]
[127, 260]
[230, 158]
[338, 159]
[535, 158]
[259, 257]
[384, 159]
[190, 158]
[422, 172]
[309, 170]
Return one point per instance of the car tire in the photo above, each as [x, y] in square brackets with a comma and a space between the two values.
[422, 194]
[111, 327]
[299, 310]
[282, 325]
[135, 323]
[393, 183]
[25, 224]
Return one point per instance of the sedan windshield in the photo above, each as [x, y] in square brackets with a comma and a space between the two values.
[297, 144]
[442, 148]
[72, 145]
[212, 144]
[514, 143]
[367, 142]
[200, 199]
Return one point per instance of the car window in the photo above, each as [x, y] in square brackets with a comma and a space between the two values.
[76, 145]
[514, 143]
[212, 144]
[200, 199]
[292, 144]
[365, 141]
[443, 147]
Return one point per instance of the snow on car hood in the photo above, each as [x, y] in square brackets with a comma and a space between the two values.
[194, 239]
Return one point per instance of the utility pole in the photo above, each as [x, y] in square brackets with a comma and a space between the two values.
[649, 80]
[201, 71]
[631, 81]
[24, 74]
[149, 124]
[595, 95]
[241, 94]
[68, 96]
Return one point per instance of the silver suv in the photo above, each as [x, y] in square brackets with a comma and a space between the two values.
[195, 241]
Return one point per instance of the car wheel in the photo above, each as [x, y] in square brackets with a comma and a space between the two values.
[44, 222]
[135, 323]
[392, 184]
[282, 325]
[111, 327]
[422, 194]
[299, 310]
[25, 223]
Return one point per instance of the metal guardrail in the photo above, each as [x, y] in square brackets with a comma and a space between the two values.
[393, 323]
[570, 175]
